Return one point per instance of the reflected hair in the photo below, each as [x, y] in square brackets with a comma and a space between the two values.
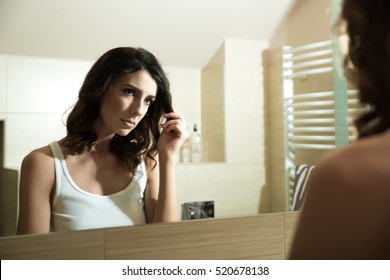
[142, 140]
[367, 63]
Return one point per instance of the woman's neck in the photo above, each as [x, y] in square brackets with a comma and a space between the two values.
[102, 144]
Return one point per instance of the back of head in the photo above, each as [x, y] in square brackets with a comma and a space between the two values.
[368, 28]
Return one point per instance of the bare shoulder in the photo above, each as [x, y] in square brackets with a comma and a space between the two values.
[37, 183]
[361, 169]
[360, 160]
[346, 208]
[41, 157]
[37, 169]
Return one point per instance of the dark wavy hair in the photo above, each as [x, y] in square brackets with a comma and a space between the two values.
[142, 140]
[368, 28]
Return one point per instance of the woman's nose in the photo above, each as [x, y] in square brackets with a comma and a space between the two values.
[137, 108]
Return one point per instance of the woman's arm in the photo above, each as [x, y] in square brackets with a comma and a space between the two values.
[160, 196]
[36, 184]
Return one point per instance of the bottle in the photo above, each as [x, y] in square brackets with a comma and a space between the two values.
[185, 152]
[196, 145]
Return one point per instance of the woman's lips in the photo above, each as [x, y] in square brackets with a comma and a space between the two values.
[129, 123]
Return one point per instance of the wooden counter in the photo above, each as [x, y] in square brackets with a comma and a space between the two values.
[265, 236]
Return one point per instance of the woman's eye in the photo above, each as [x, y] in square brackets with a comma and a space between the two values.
[129, 91]
[149, 101]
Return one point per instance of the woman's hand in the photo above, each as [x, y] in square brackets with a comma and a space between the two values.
[174, 133]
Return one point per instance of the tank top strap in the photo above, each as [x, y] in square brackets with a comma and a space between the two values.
[59, 160]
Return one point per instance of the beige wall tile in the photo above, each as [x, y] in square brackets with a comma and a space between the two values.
[308, 22]
[213, 113]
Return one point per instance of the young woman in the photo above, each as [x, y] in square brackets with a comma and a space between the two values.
[346, 212]
[116, 165]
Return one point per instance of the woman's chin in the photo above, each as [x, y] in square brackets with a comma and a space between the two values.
[123, 132]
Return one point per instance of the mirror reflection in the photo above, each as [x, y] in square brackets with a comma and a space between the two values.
[223, 60]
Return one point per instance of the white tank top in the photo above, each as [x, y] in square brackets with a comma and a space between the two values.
[76, 209]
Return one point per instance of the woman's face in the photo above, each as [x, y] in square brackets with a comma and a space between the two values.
[126, 103]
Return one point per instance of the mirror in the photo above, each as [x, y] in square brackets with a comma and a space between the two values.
[227, 48]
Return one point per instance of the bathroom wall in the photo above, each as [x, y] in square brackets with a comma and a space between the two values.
[308, 22]
[232, 103]
[233, 129]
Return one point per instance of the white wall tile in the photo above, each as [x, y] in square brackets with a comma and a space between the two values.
[185, 89]
[25, 131]
[234, 188]
[244, 115]
[3, 84]
[38, 85]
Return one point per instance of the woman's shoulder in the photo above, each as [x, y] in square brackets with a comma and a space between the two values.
[362, 153]
[42, 156]
[363, 163]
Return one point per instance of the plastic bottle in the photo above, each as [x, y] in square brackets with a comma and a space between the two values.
[196, 145]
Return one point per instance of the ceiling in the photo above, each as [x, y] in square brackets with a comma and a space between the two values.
[183, 33]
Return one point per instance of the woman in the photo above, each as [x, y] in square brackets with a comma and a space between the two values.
[346, 213]
[116, 165]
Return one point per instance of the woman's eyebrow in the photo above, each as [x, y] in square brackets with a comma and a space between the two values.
[130, 85]
[138, 90]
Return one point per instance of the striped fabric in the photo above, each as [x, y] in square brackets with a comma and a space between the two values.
[302, 173]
